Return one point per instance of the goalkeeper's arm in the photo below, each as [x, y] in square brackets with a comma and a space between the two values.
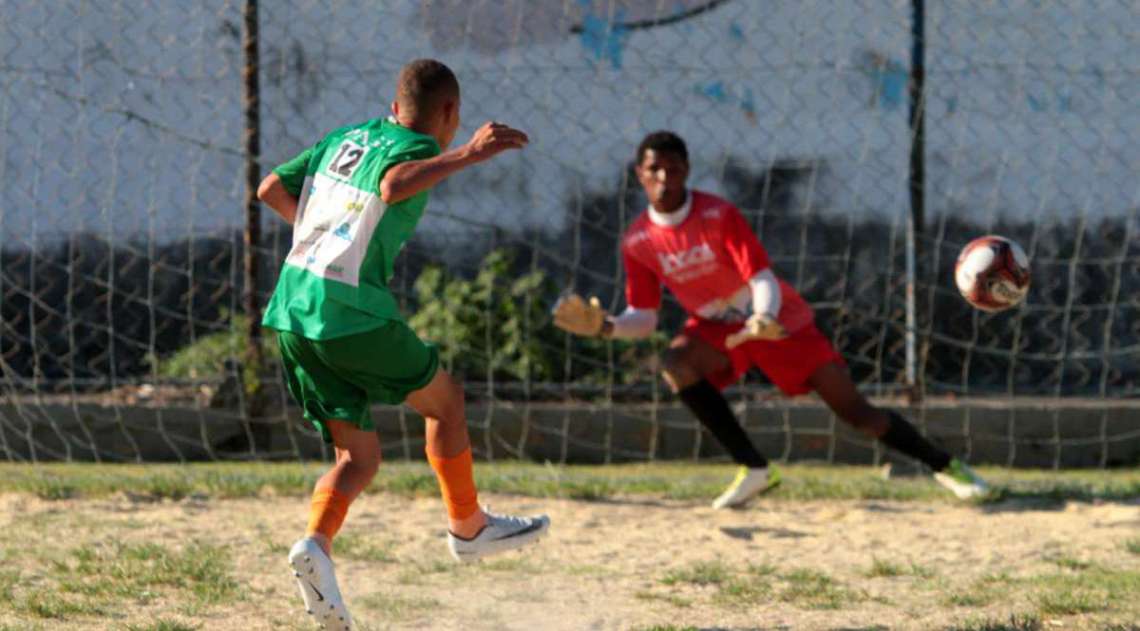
[588, 319]
[630, 324]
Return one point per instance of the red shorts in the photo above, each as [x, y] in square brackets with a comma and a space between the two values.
[788, 363]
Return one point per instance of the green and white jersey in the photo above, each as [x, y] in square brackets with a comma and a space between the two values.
[345, 239]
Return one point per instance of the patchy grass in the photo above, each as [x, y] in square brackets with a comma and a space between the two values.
[589, 570]
[71, 584]
[136, 571]
[883, 568]
[362, 548]
[699, 573]
[982, 592]
[880, 567]
[673, 599]
[1069, 563]
[395, 607]
[97, 580]
[588, 482]
[1097, 589]
[46, 603]
[1013, 623]
[1069, 603]
[812, 589]
[163, 625]
[1133, 545]
[743, 591]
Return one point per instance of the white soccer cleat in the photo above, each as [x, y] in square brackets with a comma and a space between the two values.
[316, 578]
[502, 533]
[962, 481]
[748, 484]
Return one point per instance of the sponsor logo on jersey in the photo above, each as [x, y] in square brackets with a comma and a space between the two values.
[344, 231]
[673, 264]
[354, 207]
[711, 213]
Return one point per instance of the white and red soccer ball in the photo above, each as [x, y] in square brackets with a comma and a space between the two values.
[992, 273]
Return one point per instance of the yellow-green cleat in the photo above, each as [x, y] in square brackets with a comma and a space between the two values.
[962, 481]
[748, 484]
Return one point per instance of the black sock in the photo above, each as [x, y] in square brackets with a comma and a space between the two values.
[903, 436]
[711, 408]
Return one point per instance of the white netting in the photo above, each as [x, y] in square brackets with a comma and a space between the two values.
[122, 166]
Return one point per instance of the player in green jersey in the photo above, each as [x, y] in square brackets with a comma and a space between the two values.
[354, 199]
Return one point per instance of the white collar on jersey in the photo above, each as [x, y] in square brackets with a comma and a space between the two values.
[675, 218]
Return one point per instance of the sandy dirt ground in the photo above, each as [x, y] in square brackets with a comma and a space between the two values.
[632, 564]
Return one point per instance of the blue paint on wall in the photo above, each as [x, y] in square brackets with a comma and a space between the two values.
[605, 40]
[890, 84]
[714, 90]
[735, 32]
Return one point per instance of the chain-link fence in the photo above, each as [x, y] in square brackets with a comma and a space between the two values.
[123, 159]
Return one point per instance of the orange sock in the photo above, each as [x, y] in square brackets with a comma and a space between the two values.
[327, 512]
[457, 483]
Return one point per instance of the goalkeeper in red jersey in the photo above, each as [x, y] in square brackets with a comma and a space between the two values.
[740, 315]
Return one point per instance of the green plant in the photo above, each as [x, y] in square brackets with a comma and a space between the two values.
[205, 357]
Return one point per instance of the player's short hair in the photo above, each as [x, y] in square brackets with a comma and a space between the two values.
[663, 142]
[425, 85]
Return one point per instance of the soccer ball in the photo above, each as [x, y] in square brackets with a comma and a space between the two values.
[992, 273]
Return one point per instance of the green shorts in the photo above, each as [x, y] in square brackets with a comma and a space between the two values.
[339, 379]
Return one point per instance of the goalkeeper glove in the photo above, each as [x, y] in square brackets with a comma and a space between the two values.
[760, 326]
[575, 315]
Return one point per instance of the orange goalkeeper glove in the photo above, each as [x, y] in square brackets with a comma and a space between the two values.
[760, 326]
[575, 315]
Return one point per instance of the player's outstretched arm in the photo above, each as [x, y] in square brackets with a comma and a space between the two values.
[272, 192]
[589, 319]
[574, 315]
[415, 176]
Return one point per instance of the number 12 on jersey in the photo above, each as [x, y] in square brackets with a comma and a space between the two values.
[347, 158]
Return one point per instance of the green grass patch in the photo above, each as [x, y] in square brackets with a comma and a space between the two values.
[731, 587]
[982, 592]
[46, 603]
[1095, 589]
[689, 482]
[812, 589]
[394, 607]
[362, 548]
[1070, 603]
[883, 568]
[588, 569]
[137, 571]
[1133, 545]
[8, 581]
[699, 573]
[743, 591]
[1070, 563]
